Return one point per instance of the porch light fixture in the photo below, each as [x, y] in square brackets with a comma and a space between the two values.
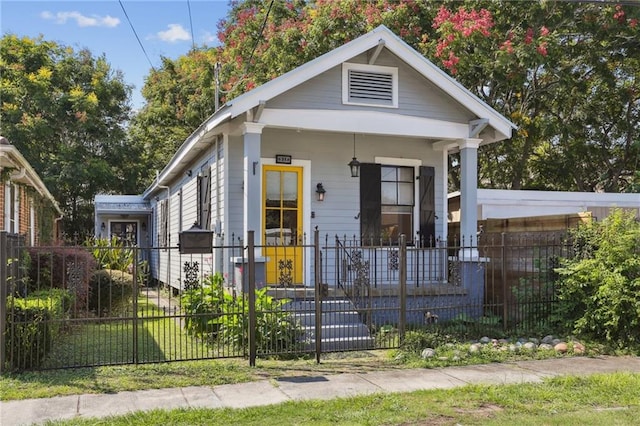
[195, 240]
[103, 227]
[354, 164]
[320, 191]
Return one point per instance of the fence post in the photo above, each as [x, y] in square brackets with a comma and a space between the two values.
[4, 258]
[252, 298]
[505, 313]
[403, 287]
[135, 305]
[318, 294]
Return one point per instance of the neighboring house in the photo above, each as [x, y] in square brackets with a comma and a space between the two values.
[506, 204]
[27, 207]
[260, 162]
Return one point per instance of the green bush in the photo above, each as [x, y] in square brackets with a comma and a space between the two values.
[110, 291]
[599, 289]
[214, 314]
[32, 326]
[203, 307]
[276, 329]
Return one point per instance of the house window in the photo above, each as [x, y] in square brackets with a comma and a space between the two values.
[371, 85]
[388, 204]
[397, 201]
[12, 208]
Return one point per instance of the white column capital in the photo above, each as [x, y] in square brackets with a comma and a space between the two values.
[253, 128]
[473, 143]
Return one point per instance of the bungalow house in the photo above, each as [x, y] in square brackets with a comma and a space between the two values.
[353, 143]
[27, 208]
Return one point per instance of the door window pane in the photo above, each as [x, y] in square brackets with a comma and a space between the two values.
[273, 189]
[290, 189]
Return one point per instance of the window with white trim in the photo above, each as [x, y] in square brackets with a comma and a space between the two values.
[372, 85]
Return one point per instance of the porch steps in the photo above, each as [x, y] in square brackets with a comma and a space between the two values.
[342, 328]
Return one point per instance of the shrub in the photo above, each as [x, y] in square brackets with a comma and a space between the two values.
[68, 268]
[599, 289]
[203, 307]
[110, 291]
[111, 254]
[276, 329]
[212, 313]
[32, 326]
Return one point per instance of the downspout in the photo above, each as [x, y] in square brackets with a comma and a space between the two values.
[168, 227]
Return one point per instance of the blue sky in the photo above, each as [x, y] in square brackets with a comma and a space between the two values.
[164, 27]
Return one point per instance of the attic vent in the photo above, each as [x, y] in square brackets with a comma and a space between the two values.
[370, 85]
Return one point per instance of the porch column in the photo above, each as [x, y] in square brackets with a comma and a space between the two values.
[252, 133]
[469, 197]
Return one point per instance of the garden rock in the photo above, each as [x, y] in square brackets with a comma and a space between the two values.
[476, 347]
[531, 346]
[428, 353]
[548, 339]
[578, 348]
[561, 347]
[545, 347]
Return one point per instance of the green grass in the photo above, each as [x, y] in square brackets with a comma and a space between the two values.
[611, 399]
[110, 341]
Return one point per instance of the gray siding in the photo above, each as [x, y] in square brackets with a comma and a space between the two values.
[417, 96]
[329, 154]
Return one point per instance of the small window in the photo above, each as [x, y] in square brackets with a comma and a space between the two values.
[397, 201]
[369, 85]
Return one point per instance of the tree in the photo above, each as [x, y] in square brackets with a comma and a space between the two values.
[65, 111]
[180, 95]
[565, 72]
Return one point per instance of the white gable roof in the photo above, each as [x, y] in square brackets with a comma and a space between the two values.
[311, 69]
[397, 46]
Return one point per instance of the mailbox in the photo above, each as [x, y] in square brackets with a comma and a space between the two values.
[195, 240]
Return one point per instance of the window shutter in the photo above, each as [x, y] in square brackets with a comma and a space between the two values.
[427, 205]
[206, 203]
[370, 200]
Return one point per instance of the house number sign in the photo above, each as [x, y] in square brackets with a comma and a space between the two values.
[283, 159]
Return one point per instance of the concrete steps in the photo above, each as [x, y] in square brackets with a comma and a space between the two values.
[341, 328]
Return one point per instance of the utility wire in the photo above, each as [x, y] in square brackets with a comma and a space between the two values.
[136, 34]
[255, 46]
[193, 40]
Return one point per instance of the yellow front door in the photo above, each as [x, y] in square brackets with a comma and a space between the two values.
[282, 219]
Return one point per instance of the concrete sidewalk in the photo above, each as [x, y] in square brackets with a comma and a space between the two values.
[265, 392]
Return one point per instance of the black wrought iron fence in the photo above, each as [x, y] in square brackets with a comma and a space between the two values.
[75, 306]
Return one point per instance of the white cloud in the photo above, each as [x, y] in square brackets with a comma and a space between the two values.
[174, 34]
[210, 38]
[81, 20]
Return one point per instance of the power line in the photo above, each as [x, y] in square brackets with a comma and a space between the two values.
[255, 46]
[136, 34]
[193, 39]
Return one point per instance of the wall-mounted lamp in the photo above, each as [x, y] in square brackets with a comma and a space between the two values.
[143, 226]
[188, 173]
[320, 191]
[354, 164]
[103, 227]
